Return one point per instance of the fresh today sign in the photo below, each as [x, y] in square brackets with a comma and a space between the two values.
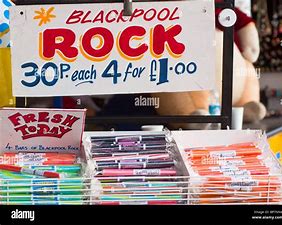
[88, 49]
[41, 129]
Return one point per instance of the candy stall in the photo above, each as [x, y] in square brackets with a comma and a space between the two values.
[80, 48]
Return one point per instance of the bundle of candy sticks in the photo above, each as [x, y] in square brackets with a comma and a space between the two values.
[135, 169]
[239, 173]
[40, 178]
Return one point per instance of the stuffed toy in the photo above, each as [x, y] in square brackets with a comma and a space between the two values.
[245, 78]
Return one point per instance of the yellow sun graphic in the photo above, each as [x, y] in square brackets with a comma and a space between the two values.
[44, 16]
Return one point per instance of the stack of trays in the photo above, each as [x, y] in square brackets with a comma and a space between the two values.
[135, 169]
[25, 189]
[238, 173]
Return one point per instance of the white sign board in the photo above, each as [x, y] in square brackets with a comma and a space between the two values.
[41, 130]
[91, 49]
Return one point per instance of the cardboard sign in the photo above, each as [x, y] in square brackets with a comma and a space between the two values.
[36, 130]
[88, 49]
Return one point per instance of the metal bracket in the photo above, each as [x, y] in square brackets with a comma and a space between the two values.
[127, 7]
[227, 18]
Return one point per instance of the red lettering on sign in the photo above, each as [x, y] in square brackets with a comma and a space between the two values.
[136, 13]
[163, 14]
[29, 118]
[99, 17]
[70, 120]
[174, 15]
[42, 125]
[93, 16]
[124, 39]
[75, 17]
[110, 20]
[161, 38]
[15, 119]
[43, 117]
[84, 19]
[121, 18]
[150, 14]
[57, 118]
[58, 41]
[103, 50]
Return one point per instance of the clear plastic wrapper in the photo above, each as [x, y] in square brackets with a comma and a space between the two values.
[236, 173]
[139, 168]
[30, 186]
